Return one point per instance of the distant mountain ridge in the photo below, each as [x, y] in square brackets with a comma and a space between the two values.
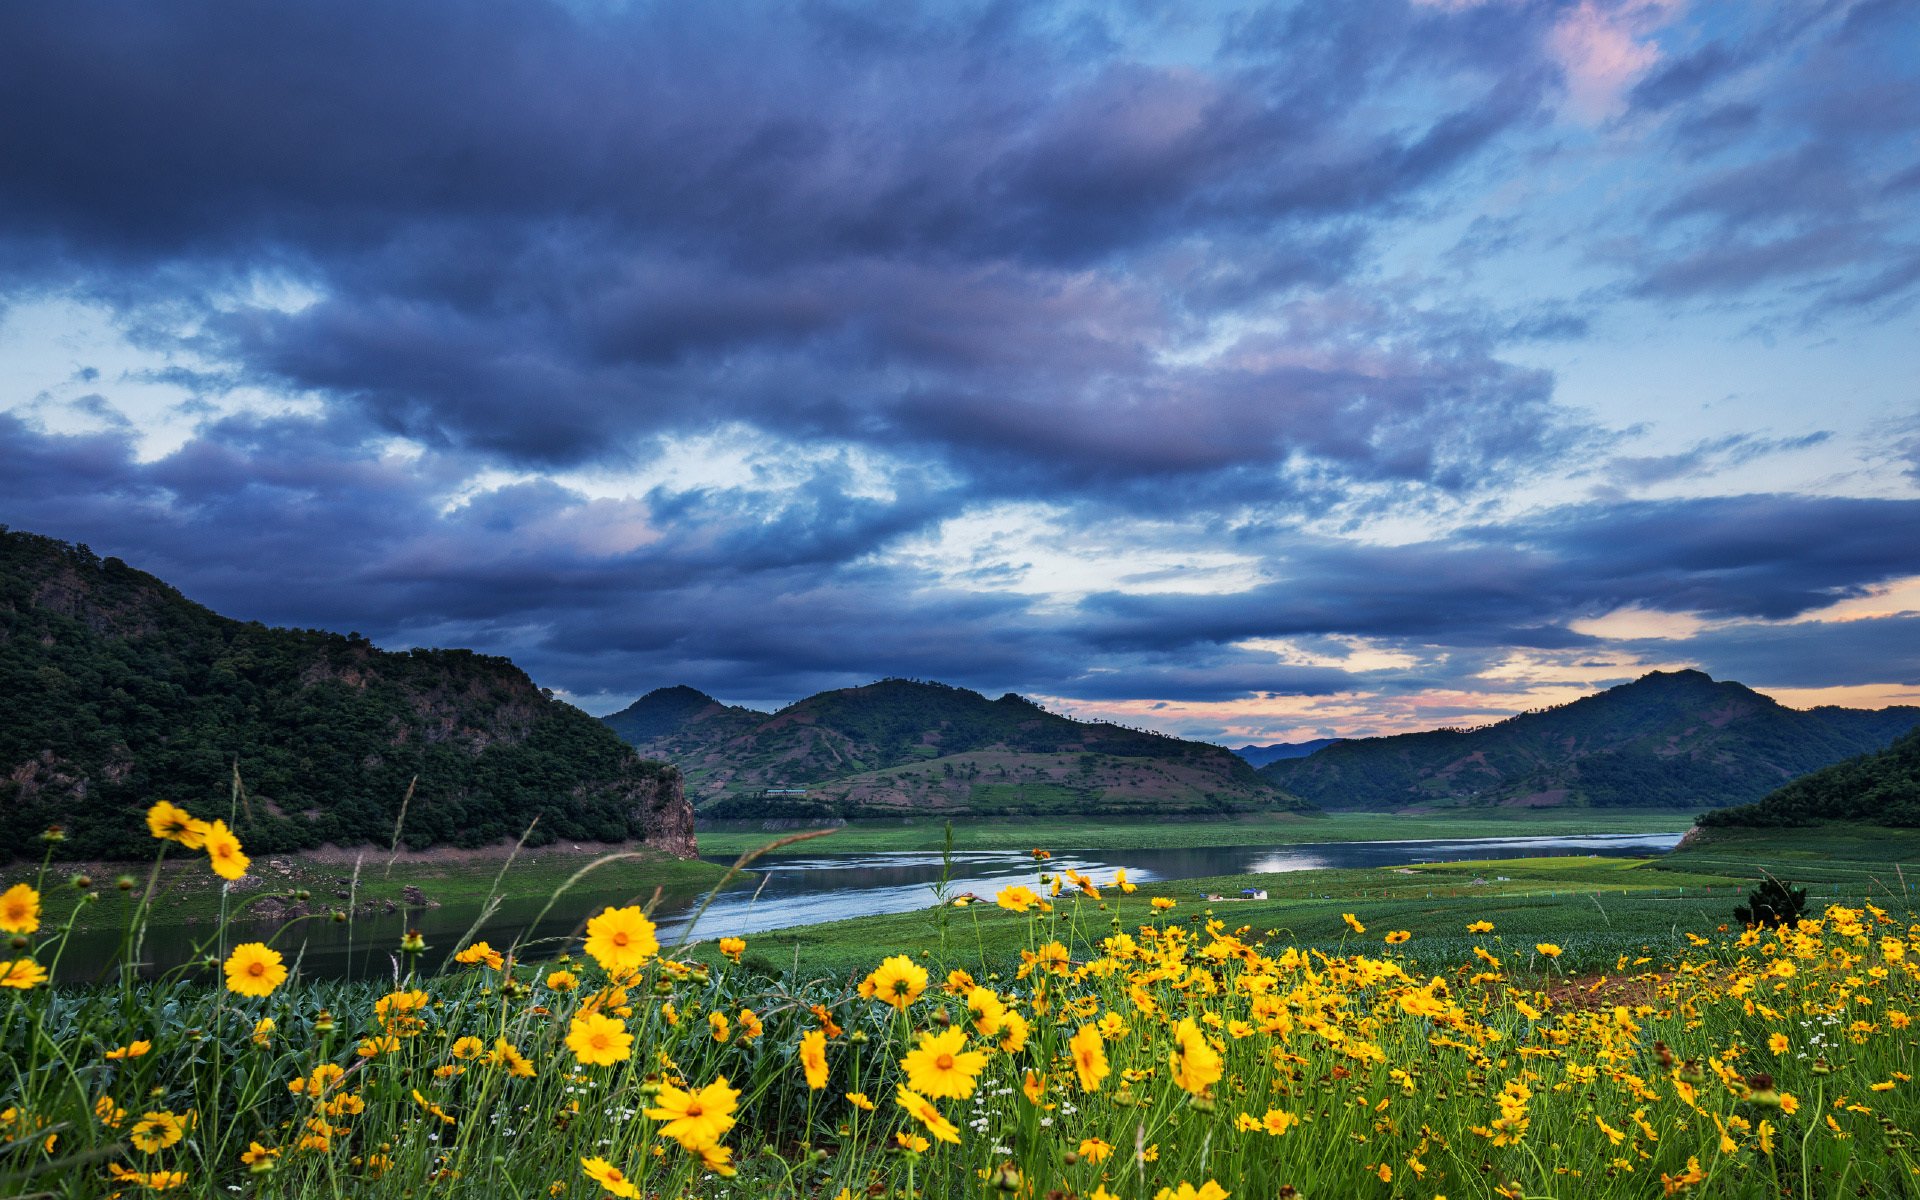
[1879, 789]
[123, 691]
[903, 746]
[1260, 756]
[1674, 739]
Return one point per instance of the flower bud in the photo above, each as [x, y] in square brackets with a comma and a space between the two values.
[126, 883]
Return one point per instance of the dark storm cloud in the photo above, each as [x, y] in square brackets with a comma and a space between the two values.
[1125, 262]
[765, 598]
[544, 234]
[1816, 654]
[772, 595]
[1770, 557]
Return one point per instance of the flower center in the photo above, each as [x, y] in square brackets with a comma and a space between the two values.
[256, 968]
[619, 939]
[694, 1109]
[944, 1062]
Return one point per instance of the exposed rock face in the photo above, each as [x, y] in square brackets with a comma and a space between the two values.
[657, 802]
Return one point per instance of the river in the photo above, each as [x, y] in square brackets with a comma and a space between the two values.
[808, 890]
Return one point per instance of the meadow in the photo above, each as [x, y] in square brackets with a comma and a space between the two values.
[1252, 829]
[1366, 1033]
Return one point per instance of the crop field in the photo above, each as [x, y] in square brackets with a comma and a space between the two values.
[1521, 1028]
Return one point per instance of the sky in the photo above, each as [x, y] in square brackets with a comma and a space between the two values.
[1250, 372]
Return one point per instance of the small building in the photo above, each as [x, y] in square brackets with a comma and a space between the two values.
[1253, 894]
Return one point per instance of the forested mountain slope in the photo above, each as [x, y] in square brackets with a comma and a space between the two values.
[1667, 740]
[120, 690]
[1877, 789]
[903, 747]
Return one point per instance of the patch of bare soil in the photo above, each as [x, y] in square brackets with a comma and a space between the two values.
[1602, 991]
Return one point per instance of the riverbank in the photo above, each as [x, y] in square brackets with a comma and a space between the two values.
[1596, 910]
[1096, 833]
[363, 881]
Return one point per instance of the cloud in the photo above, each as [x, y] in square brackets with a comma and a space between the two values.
[1705, 458]
[549, 235]
[763, 596]
[1600, 49]
[653, 343]
[1816, 654]
[1523, 583]
[1798, 131]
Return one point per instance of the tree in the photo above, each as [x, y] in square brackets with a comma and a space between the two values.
[1772, 903]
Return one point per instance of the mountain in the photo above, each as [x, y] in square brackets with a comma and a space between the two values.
[678, 722]
[1879, 789]
[902, 746]
[123, 691]
[1260, 756]
[1667, 740]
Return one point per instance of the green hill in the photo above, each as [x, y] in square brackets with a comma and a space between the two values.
[902, 746]
[1879, 789]
[122, 691]
[1667, 740]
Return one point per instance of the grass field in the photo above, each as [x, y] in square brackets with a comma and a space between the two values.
[1122, 833]
[1596, 908]
[185, 894]
[1441, 1029]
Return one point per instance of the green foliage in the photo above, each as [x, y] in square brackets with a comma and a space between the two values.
[123, 691]
[1882, 788]
[1772, 903]
[901, 745]
[1668, 740]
